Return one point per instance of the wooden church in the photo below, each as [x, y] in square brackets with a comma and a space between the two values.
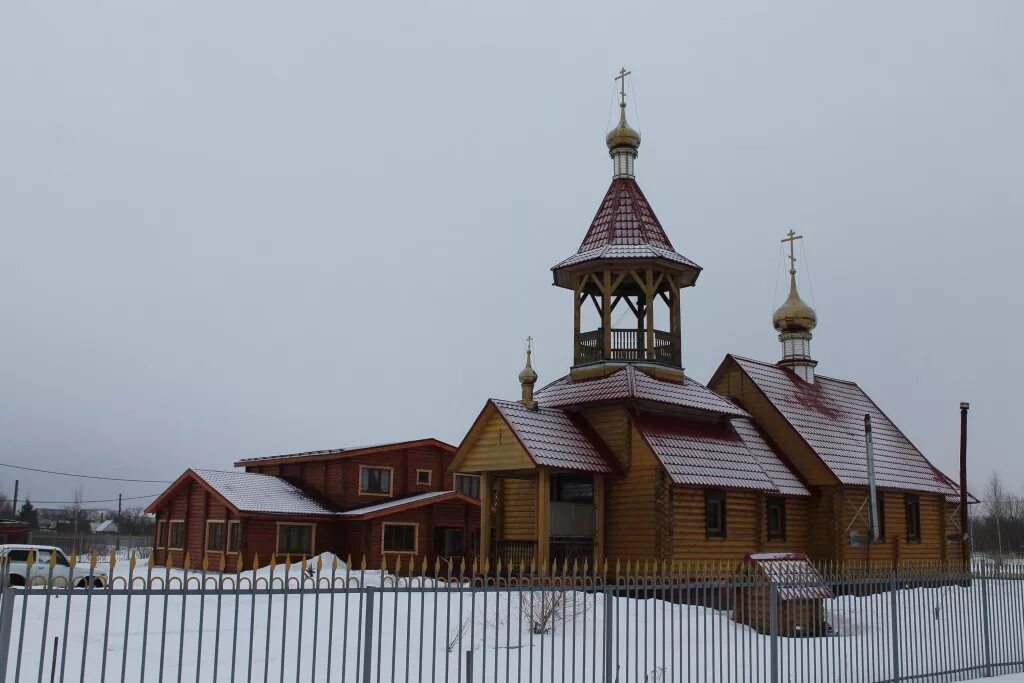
[627, 457]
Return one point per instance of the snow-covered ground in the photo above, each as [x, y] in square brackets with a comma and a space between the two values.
[426, 635]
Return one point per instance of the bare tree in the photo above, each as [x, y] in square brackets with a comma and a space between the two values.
[998, 504]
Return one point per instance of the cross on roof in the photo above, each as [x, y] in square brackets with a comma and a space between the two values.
[622, 86]
[529, 344]
[792, 237]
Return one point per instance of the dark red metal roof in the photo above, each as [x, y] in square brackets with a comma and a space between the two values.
[630, 383]
[625, 227]
[829, 416]
[794, 575]
[554, 438]
[712, 453]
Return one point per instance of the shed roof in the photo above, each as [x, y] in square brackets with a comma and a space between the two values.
[625, 228]
[713, 453]
[794, 575]
[630, 383]
[554, 438]
[829, 416]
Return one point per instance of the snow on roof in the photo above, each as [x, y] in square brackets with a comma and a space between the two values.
[771, 461]
[795, 576]
[405, 503]
[554, 438]
[829, 416]
[712, 453]
[261, 493]
[631, 383]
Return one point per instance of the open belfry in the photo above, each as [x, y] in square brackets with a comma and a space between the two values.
[628, 458]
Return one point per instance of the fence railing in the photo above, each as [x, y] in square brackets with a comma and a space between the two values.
[323, 620]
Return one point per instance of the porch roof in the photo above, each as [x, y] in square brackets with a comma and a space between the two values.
[408, 503]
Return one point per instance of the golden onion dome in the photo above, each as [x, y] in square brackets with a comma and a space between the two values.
[622, 135]
[794, 315]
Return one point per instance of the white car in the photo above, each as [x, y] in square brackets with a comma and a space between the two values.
[15, 557]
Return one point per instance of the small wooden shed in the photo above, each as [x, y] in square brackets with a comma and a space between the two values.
[800, 590]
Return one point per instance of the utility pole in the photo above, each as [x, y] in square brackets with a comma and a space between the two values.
[14, 503]
[964, 528]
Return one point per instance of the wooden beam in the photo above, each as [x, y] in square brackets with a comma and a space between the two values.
[576, 304]
[618, 281]
[650, 314]
[485, 517]
[597, 306]
[606, 317]
[599, 499]
[543, 520]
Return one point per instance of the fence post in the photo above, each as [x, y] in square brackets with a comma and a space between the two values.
[609, 626]
[773, 628]
[985, 623]
[895, 620]
[6, 618]
[368, 637]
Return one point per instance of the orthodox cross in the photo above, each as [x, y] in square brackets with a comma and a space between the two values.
[622, 86]
[529, 344]
[792, 237]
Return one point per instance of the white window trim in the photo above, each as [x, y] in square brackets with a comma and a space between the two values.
[312, 537]
[224, 537]
[227, 537]
[415, 539]
[430, 478]
[391, 481]
[184, 534]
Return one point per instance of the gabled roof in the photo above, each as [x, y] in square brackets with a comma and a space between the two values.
[794, 575]
[829, 416]
[349, 452]
[625, 228]
[248, 492]
[408, 503]
[713, 453]
[554, 438]
[630, 383]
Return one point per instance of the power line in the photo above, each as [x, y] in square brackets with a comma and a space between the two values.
[85, 476]
[83, 502]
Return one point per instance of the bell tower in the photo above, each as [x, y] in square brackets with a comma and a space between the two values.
[628, 270]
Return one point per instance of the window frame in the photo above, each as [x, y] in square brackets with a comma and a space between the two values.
[780, 503]
[312, 538]
[415, 538]
[455, 483]
[170, 534]
[912, 502]
[161, 534]
[880, 513]
[430, 477]
[233, 524]
[391, 481]
[716, 496]
[223, 536]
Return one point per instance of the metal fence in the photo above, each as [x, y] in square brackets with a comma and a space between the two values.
[121, 546]
[324, 620]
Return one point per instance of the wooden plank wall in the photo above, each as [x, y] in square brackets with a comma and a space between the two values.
[896, 547]
[517, 509]
[630, 514]
[611, 422]
[494, 447]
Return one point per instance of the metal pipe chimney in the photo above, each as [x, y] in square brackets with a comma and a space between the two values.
[964, 528]
[872, 492]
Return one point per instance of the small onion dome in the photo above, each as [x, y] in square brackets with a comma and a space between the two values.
[622, 135]
[794, 315]
[528, 375]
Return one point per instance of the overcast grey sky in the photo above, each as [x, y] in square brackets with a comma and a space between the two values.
[235, 229]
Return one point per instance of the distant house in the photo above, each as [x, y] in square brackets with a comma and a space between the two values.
[13, 531]
[386, 502]
[107, 526]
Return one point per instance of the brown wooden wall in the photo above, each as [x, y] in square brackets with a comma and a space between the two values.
[631, 518]
[337, 479]
[517, 509]
[368, 537]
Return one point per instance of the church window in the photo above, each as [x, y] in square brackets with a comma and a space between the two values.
[913, 505]
[714, 513]
[776, 517]
[375, 480]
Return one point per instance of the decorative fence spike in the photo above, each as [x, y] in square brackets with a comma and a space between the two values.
[186, 565]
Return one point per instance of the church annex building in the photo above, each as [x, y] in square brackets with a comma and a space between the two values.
[625, 457]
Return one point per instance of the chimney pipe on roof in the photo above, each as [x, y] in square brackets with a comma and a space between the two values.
[964, 528]
[872, 493]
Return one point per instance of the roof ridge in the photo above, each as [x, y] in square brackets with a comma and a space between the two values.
[765, 363]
